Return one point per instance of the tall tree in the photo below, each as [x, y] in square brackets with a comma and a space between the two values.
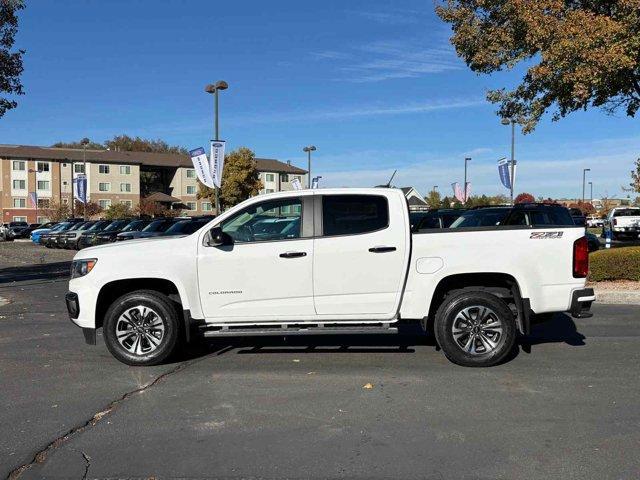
[433, 199]
[240, 177]
[91, 145]
[10, 61]
[524, 198]
[579, 53]
[137, 144]
[634, 186]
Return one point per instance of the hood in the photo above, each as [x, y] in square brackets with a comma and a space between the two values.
[130, 245]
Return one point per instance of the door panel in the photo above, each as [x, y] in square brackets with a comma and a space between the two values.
[360, 273]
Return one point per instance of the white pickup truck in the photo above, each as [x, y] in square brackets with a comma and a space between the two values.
[329, 261]
[623, 221]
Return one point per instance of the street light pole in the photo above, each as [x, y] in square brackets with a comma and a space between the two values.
[435, 188]
[584, 174]
[467, 159]
[591, 192]
[309, 149]
[214, 88]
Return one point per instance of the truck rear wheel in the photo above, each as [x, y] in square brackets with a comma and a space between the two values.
[475, 329]
[141, 328]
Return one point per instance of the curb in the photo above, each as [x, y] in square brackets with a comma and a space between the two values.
[617, 297]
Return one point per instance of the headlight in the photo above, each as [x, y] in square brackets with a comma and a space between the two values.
[79, 268]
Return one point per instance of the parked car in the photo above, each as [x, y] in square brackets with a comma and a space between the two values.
[42, 236]
[352, 266]
[579, 218]
[623, 222]
[16, 230]
[481, 217]
[88, 238]
[435, 218]
[595, 222]
[109, 236]
[539, 215]
[69, 239]
[185, 227]
[153, 229]
[51, 240]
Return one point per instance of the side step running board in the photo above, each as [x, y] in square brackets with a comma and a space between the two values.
[300, 330]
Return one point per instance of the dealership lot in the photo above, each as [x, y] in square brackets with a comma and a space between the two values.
[274, 407]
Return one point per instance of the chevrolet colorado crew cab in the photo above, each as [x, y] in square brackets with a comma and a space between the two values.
[328, 261]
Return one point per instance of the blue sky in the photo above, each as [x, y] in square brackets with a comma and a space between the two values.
[374, 85]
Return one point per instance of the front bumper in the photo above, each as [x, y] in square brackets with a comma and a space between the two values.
[73, 307]
[581, 301]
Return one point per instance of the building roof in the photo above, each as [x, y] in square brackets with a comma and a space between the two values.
[271, 165]
[28, 152]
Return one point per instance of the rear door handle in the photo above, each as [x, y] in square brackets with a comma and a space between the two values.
[293, 254]
[382, 249]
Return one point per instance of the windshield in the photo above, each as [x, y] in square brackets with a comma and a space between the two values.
[135, 226]
[185, 227]
[158, 226]
[628, 212]
[77, 226]
[98, 226]
[483, 217]
[61, 226]
[117, 225]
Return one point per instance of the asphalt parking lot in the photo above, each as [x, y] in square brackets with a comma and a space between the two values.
[301, 408]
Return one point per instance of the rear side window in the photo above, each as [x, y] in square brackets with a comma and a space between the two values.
[353, 214]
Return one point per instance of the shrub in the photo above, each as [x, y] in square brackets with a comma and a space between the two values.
[615, 264]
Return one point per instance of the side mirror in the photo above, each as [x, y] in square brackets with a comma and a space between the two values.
[219, 238]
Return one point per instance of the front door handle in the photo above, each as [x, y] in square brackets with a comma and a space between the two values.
[382, 249]
[293, 254]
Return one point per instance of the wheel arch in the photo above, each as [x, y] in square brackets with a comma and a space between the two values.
[500, 284]
[110, 291]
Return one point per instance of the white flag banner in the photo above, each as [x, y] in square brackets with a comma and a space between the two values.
[295, 183]
[216, 161]
[201, 166]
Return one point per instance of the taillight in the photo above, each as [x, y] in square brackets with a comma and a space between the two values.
[580, 258]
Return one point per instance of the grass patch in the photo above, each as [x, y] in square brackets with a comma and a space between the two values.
[597, 231]
[615, 264]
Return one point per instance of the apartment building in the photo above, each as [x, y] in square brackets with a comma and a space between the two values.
[112, 177]
[276, 176]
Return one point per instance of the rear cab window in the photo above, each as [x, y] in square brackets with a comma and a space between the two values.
[353, 214]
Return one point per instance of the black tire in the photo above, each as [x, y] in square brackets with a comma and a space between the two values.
[451, 310]
[166, 312]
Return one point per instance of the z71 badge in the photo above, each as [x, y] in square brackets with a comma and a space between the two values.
[544, 235]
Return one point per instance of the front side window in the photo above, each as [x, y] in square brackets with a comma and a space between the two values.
[103, 168]
[272, 220]
[353, 214]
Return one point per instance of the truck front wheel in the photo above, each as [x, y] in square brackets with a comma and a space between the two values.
[475, 329]
[141, 328]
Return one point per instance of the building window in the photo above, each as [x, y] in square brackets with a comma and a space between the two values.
[191, 206]
[191, 189]
[104, 186]
[269, 190]
[297, 177]
[284, 177]
[78, 167]
[206, 206]
[128, 203]
[42, 166]
[104, 204]
[191, 173]
[270, 177]
[103, 169]
[43, 185]
[19, 184]
[19, 202]
[20, 219]
[43, 203]
[42, 220]
[125, 187]
[19, 165]
[125, 169]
